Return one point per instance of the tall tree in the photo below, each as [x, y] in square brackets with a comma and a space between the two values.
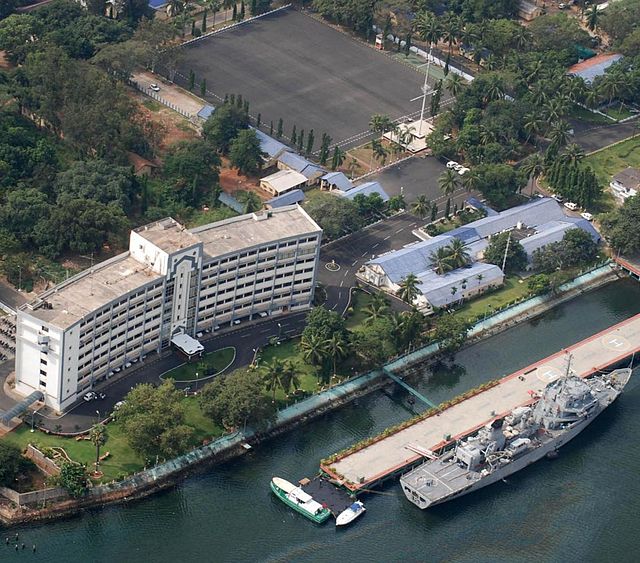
[408, 288]
[98, 436]
[449, 181]
[245, 153]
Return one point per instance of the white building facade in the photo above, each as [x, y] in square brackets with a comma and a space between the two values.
[172, 281]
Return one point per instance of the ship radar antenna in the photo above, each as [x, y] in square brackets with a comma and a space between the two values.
[568, 359]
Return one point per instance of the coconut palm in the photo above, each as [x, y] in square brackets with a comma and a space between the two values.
[379, 152]
[458, 254]
[559, 133]
[408, 288]
[174, 7]
[495, 89]
[533, 166]
[380, 123]
[441, 260]
[380, 299]
[572, 154]
[593, 17]
[453, 83]
[214, 6]
[522, 37]
[611, 85]
[471, 181]
[375, 311]
[314, 349]
[532, 125]
[448, 181]
[337, 348]
[273, 376]
[421, 206]
[98, 436]
[451, 30]
[592, 98]
[428, 28]
[289, 379]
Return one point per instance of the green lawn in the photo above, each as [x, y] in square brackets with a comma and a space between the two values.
[618, 112]
[122, 460]
[582, 114]
[152, 105]
[511, 291]
[211, 363]
[360, 302]
[609, 162]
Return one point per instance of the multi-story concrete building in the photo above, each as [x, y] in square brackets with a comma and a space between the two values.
[172, 282]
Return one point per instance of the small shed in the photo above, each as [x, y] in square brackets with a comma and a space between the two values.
[335, 181]
[282, 182]
[206, 112]
[290, 198]
[366, 189]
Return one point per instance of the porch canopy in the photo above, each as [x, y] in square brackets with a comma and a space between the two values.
[187, 345]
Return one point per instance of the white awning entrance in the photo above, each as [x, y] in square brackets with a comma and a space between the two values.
[187, 345]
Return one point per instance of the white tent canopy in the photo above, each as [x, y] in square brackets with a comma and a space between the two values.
[185, 343]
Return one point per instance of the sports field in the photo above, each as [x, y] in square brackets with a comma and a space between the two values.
[293, 67]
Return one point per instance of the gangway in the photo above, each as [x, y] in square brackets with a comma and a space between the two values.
[411, 390]
[21, 407]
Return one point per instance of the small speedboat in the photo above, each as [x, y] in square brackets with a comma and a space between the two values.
[350, 514]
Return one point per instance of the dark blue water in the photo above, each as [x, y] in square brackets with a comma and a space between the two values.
[581, 507]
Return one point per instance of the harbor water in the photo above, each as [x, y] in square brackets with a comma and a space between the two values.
[582, 506]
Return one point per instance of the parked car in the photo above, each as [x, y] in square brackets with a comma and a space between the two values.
[586, 215]
[452, 164]
[118, 405]
[236, 322]
[570, 205]
[90, 396]
[102, 396]
[154, 87]
[557, 197]
[463, 170]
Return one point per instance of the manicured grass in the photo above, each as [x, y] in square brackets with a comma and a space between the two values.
[360, 302]
[609, 162]
[211, 363]
[204, 427]
[121, 461]
[511, 291]
[618, 112]
[583, 114]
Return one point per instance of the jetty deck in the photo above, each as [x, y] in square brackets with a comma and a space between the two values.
[393, 454]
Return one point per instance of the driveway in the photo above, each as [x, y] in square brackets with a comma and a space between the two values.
[170, 93]
[11, 297]
[600, 136]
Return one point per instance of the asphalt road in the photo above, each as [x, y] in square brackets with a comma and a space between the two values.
[10, 296]
[351, 252]
[291, 66]
[599, 136]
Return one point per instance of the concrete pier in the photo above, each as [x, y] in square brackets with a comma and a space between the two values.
[392, 454]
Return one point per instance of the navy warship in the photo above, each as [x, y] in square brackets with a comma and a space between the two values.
[506, 445]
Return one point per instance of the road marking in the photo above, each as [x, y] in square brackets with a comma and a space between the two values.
[365, 253]
[354, 263]
[341, 283]
[399, 230]
[376, 245]
[387, 238]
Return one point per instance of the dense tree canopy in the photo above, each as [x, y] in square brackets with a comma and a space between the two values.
[516, 255]
[153, 421]
[576, 248]
[621, 227]
[12, 464]
[337, 216]
[224, 125]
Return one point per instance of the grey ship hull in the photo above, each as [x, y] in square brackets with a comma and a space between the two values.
[455, 482]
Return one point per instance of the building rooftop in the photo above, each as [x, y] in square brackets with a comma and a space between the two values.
[629, 178]
[168, 235]
[254, 229]
[70, 301]
[294, 196]
[339, 180]
[365, 189]
[299, 164]
[595, 66]
[206, 112]
[269, 145]
[284, 180]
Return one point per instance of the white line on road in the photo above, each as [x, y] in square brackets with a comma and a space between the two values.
[341, 283]
[387, 238]
[399, 230]
[365, 253]
[376, 245]
[354, 263]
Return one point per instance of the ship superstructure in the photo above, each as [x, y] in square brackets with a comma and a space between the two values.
[506, 445]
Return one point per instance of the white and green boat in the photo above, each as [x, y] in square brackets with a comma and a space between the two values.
[300, 501]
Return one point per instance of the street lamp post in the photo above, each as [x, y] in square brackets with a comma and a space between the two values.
[98, 413]
[197, 375]
[279, 332]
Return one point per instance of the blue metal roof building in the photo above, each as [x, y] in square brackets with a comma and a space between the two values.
[336, 180]
[294, 196]
[296, 162]
[268, 145]
[206, 112]
[367, 188]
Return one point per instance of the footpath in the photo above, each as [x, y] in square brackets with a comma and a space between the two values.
[169, 473]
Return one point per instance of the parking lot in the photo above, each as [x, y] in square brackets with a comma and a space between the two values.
[293, 67]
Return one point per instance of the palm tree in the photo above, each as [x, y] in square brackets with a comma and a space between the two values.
[408, 289]
[441, 260]
[522, 37]
[273, 376]
[611, 85]
[532, 125]
[533, 167]
[379, 299]
[314, 349]
[559, 134]
[451, 30]
[495, 89]
[289, 379]
[380, 123]
[453, 83]
[375, 311]
[353, 164]
[98, 436]
[448, 181]
[398, 323]
[592, 98]
[593, 17]
[421, 206]
[428, 28]
[572, 154]
[471, 181]
[458, 253]
[175, 7]
[337, 348]
[378, 150]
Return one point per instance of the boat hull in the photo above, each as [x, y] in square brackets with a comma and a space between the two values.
[318, 518]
